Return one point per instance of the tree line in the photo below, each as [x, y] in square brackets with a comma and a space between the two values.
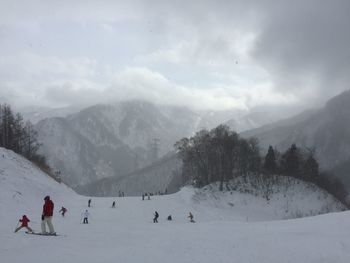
[220, 155]
[19, 136]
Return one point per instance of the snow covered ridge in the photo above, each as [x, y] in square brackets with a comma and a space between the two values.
[278, 197]
[23, 185]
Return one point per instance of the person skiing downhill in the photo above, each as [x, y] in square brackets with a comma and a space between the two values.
[86, 215]
[63, 211]
[24, 220]
[46, 217]
[156, 215]
[190, 216]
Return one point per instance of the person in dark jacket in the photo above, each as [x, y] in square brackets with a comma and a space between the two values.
[63, 211]
[156, 215]
[24, 220]
[190, 216]
[46, 217]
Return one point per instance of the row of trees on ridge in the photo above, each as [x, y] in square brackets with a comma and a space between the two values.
[221, 154]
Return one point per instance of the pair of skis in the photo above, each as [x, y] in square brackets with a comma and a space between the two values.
[42, 234]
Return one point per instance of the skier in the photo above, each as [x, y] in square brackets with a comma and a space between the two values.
[169, 218]
[190, 216]
[46, 217]
[24, 220]
[113, 204]
[86, 215]
[143, 197]
[156, 215]
[63, 211]
[89, 203]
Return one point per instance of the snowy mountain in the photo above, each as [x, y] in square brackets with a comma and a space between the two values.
[77, 158]
[327, 130]
[112, 140]
[162, 176]
[230, 226]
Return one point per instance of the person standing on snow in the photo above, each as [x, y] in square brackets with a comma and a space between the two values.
[113, 204]
[86, 215]
[46, 217]
[156, 215]
[25, 220]
[89, 203]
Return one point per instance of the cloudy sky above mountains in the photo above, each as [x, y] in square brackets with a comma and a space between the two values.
[203, 54]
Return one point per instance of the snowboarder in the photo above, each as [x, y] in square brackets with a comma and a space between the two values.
[169, 218]
[113, 204]
[190, 216]
[86, 215]
[89, 203]
[156, 215]
[46, 217]
[63, 211]
[24, 220]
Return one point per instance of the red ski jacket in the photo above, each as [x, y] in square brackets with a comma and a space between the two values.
[24, 221]
[48, 208]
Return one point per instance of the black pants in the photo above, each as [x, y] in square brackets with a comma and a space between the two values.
[85, 220]
[155, 220]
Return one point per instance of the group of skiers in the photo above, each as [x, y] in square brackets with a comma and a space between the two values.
[170, 218]
[47, 213]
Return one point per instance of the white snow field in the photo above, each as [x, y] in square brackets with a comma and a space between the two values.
[225, 230]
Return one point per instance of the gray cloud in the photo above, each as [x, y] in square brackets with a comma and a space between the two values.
[305, 45]
[228, 53]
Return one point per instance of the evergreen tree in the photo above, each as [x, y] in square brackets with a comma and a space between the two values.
[270, 164]
[290, 162]
[310, 169]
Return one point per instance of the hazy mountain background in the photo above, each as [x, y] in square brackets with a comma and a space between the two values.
[119, 140]
[326, 131]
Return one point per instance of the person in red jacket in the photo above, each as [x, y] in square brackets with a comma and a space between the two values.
[25, 220]
[46, 217]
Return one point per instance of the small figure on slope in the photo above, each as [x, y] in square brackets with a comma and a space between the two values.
[156, 215]
[63, 211]
[190, 216]
[46, 217]
[24, 223]
[89, 203]
[113, 204]
[169, 218]
[86, 215]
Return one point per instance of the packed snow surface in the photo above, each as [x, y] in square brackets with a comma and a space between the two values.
[222, 233]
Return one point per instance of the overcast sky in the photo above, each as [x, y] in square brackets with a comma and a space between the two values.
[203, 54]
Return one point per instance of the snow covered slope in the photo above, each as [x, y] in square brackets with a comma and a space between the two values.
[126, 233]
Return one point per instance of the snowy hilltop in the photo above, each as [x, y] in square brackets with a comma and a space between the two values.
[231, 226]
